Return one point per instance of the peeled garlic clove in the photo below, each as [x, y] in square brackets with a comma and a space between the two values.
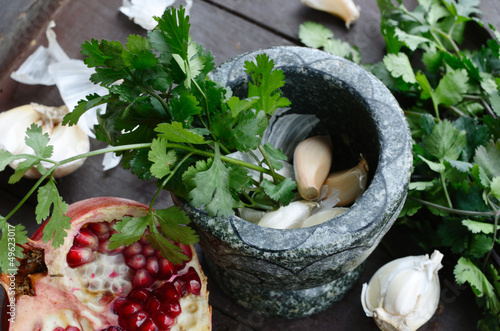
[323, 216]
[312, 160]
[347, 184]
[345, 9]
[67, 141]
[288, 217]
[404, 293]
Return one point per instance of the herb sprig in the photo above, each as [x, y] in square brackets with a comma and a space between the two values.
[450, 94]
[170, 123]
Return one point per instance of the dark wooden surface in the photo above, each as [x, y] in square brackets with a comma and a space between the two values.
[227, 28]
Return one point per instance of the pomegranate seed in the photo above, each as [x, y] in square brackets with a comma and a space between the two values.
[133, 249]
[136, 320]
[143, 239]
[186, 250]
[78, 256]
[129, 308]
[136, 262]
[167, 291]
[59, 328]
[139, 294]
[114, 328]
[162, 320]
[104, 249]
[72, 328]
[148, 250]
[193, 282]
[166, 269]
[148, 325]
[152, 305]
[86, 238]
[100, 229]
[142, 278]
[171, 307]
[180, 286]
[118, 304]
[152, 266]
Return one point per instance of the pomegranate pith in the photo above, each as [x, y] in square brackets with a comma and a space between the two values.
[87, 286]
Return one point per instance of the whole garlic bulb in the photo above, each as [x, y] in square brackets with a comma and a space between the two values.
[68, 141]
[403, 294]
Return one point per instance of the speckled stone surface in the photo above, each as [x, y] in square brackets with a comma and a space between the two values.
[294, 273]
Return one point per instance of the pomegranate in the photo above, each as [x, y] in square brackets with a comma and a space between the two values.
[83, 285]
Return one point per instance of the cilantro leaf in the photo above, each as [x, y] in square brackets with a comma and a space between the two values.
[168, 250]
[211, 189]
[283, 192]
[265, 84]
[176, 133]
[399, 66]
[488, 158]
[161, 158]
[49, 198]
[10, 251]
[172, 222]
[467, 271]
[445, 141]
[478, 227]
[130, 230]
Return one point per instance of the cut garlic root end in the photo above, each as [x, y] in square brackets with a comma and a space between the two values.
[66, 141]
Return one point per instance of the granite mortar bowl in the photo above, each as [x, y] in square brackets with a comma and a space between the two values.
[299, 272]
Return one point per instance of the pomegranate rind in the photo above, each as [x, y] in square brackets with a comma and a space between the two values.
[55, 300]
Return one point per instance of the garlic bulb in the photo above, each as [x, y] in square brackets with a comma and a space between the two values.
[67, 141]
[345, 9]
[288, 217]
[312, 160]
[348, 184]
[403, 294]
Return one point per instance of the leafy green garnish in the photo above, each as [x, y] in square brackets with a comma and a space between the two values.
[170, 123]
[450, 95]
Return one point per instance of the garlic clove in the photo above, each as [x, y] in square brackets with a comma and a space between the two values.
[288, 217]
[404, 293]
[349, 184]
[323, 216]
[347, 10]
[312, 161]
[66, 141]
[251, 215]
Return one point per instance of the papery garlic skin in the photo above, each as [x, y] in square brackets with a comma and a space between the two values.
[403, 294]
[348, 184]
[288, 217]
[347, 10]
[66, 141]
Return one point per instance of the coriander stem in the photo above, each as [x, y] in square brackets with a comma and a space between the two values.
[269, 163]
[30, 192]
[452, 210]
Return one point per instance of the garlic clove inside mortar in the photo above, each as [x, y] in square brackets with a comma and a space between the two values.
[68, 141]
[403, 294]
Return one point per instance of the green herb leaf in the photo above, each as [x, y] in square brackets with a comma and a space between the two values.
[161, 157]
[176, 133]
[265, 84]
[172, 222]
[130, 230]
[399, 66]
[49, 198]
[211, 189]
[10, 249]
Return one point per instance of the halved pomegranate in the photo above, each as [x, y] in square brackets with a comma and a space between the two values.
[83, 285]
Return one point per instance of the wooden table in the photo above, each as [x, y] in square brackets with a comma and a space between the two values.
[227, 28]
